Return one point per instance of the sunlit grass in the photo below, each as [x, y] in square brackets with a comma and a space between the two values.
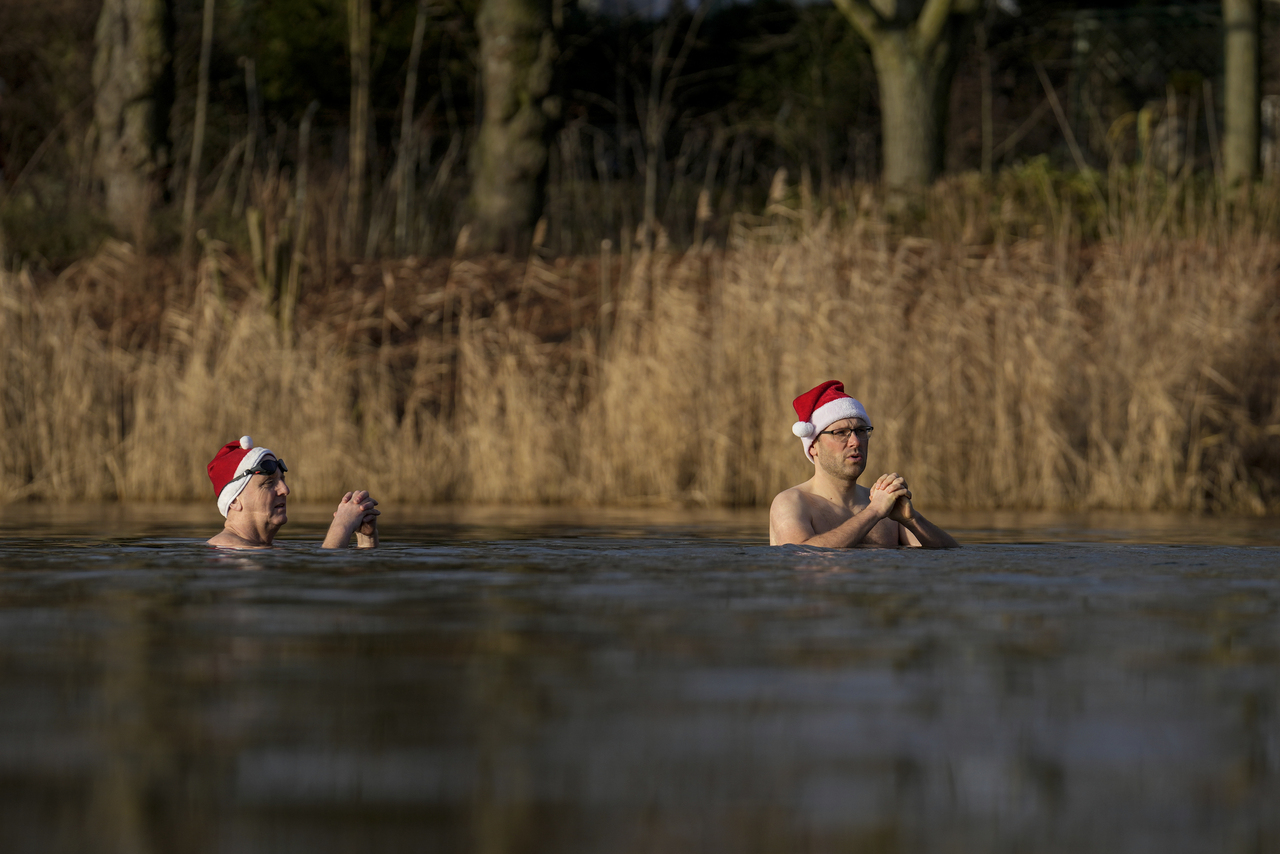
[1039, 342]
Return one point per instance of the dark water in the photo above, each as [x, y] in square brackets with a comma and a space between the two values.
[521, 681]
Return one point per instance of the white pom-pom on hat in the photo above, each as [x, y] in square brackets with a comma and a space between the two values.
[246, 442]
[802, 429]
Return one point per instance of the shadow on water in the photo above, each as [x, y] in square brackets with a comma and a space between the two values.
[599, 681]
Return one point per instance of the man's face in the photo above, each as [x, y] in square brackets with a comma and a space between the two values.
[844, 458]
[265, 496]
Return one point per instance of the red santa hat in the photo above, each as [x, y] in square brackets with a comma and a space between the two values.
[819, 408]
[232, 460]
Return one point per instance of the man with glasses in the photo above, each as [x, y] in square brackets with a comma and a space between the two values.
[831, 509]
[252, 493]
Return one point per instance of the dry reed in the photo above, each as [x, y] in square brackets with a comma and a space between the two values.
[1006, 361]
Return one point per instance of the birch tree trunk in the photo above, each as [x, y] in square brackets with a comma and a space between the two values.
[1240, 101]
[133, 94]
[509, 162]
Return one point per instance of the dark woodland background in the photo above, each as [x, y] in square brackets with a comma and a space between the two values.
[765, 86]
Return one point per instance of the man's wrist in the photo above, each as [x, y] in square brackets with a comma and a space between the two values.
[344, 528]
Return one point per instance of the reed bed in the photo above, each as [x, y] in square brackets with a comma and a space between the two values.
[1010, 353]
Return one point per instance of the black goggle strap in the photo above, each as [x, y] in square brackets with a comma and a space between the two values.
[267, 467]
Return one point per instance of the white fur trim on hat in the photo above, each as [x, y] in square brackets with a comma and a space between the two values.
[235, 487]
[826, 415]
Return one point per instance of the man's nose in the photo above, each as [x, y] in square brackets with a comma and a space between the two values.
[282, 488]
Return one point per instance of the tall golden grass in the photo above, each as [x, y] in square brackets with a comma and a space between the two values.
[1022, 345]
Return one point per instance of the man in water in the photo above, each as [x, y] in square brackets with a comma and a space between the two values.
[831, 509]
[252, 492]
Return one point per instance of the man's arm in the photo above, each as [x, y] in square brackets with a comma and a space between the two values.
[790, 522]
[915, 530]
[926, 534]
[367, 533]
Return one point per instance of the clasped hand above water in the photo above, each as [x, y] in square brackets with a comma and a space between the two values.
[357, 514]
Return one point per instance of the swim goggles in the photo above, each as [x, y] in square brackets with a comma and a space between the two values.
[267, 467]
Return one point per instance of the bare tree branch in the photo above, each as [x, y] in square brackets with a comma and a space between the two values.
[932, 21]
[864, 17]
[888, 9]
[690, 37]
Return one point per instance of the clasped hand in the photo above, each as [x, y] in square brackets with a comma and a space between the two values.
[358, 512]
[890, 497]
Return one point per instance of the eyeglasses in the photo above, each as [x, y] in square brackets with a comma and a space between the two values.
[268, 467]
[842, 434]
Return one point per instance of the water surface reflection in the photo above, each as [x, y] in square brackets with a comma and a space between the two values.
[653, 683]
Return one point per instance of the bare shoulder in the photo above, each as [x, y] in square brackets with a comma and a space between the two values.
[224, 539]
[791, 516]
[792, 500]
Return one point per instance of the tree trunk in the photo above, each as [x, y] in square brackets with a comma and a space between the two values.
[984, 57]
[407, 155]
[133, 93]
[197, 132]
[509, 163]
[914, 51]
[1240, 107]
[913, 110]
[289, 298]
[251, 136]
[359, 25]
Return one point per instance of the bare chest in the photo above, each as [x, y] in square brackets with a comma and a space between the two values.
[827, 516]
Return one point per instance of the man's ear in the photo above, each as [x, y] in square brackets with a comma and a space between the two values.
[234, 505]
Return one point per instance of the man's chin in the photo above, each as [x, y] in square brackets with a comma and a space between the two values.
[845, 470]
